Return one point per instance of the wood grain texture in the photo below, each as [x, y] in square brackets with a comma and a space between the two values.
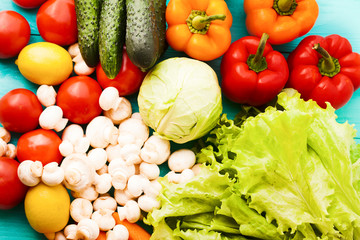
[335, 17]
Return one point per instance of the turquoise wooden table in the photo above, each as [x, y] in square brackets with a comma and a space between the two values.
[335, 17]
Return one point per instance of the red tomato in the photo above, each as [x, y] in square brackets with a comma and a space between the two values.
[20, 110]
[14, 33]
[41, 145]
[29, 3]
[12, 191]
[127, 81]
[56, 21]
[78, 97]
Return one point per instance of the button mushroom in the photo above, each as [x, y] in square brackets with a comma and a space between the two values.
[29, 172]
[154, 189]
[147, 203]
[52, 174]
[105, 202]
[87, 229]
[88, 193]
[181, 159]
[119, 232]
[101, 132]
[133, 130]
[5, 134]
[104, 219]
[137, 184]
[52, 118]
[70, 231]
[120, 172]
[156, 150]
[122, 196]
[130, 211]
[115, 107]
[130, 153]
[11, 151]
[80, 67]
[121, 111]
[46, 95]
[103, 183]
[80, 208]
[78, 173]
[149, 170]
[3, 147]
[74, 140]
[97, 157]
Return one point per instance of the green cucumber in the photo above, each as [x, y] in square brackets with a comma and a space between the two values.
[88, 16]
[112, 36]
[145, 32]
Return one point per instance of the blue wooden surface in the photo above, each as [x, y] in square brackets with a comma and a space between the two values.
[340, 17]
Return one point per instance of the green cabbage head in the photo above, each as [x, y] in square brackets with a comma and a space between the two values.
[180, 99]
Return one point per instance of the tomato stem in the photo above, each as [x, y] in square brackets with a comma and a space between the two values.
[328, 65]
[199, 22]
[285, 7]
[257, 62]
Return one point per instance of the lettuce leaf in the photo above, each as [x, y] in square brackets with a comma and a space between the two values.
[289, 172]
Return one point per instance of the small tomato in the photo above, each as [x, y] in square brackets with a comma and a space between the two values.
[127, 81]
[12, 191]
[56, 21]
[14, 33]
[78, 97]
[20, 110]
[41, 145]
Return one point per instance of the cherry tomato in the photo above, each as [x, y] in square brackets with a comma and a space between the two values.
[56, 21]
[41, 145]
[12, 191]
[127, 81]
[14, 33]
[78, 97]
[29, 3]
[20, 110]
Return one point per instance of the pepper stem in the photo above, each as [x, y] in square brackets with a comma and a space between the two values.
[328, 65]
[285, 7]
[199, 22]
[257, 62]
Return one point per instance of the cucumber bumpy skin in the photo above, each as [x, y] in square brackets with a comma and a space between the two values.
[112, 36]
[145, 32]
[88, 16]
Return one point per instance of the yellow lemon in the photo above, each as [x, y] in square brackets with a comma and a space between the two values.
[47, 209]
[45, 63]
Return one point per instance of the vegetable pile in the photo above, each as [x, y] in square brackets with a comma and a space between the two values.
[290, 172]
[101, 131]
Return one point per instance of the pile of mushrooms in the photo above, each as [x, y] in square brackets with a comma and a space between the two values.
[114, 153]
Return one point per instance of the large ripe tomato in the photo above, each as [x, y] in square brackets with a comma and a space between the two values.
[78, 97]
[56, 21]
[29, 3]
[12, 191]
[127, 81]
[14, 33]
[41, 145]
[20, 110]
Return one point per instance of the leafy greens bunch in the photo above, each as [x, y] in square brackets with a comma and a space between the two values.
[289, 172]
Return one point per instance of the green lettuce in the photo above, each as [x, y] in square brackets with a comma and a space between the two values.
[288, 172]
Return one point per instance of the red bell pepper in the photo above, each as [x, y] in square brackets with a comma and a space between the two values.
[325, 69]
[252, 72]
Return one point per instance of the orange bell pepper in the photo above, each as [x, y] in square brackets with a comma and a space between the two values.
[283, 20]
[200, 28]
